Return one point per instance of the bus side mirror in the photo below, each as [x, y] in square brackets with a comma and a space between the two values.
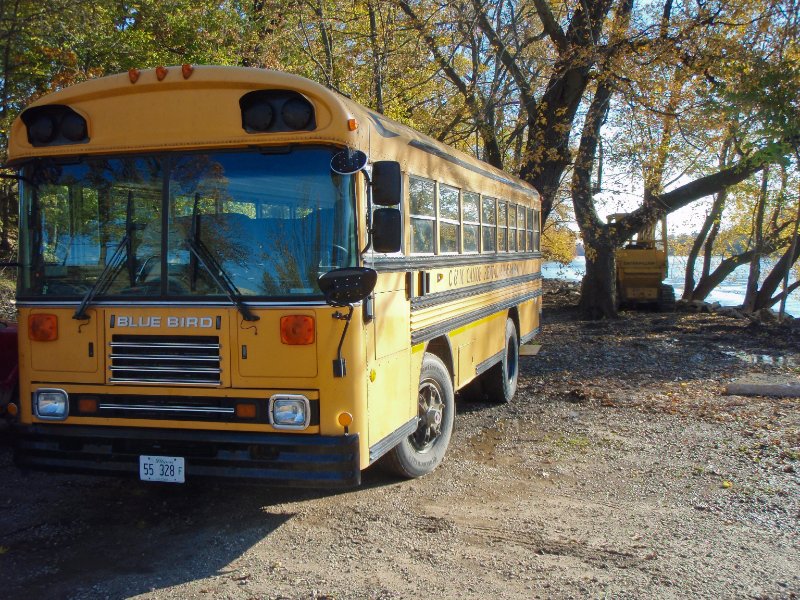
[387, 231]
[386, 183]
[343, 287]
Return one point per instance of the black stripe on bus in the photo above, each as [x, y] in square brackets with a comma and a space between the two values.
[439, 329]
[390, 441]
[417, 263]
[439, 153]
[420, 302]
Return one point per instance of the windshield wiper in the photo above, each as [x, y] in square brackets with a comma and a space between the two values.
[103, 281]
[215, 270]
[123, 253]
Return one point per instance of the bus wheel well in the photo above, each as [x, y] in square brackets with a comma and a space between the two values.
[440, 346]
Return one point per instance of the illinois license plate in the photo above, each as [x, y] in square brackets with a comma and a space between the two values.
[162, 468]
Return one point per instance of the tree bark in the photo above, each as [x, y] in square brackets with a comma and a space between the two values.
[599, 284]
[598, 288]
[712, 218]
[708, 282]
[765, 297]
[377, 70]
[754, 274]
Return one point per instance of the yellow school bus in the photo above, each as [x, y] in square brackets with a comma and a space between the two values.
[230, 272]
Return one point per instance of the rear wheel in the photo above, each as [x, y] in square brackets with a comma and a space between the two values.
[422, 451]
[500, 383]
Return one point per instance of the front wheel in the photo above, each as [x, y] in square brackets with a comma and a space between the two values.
[500, 382]
[422, 451]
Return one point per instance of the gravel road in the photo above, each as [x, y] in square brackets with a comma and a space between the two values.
[621, 470]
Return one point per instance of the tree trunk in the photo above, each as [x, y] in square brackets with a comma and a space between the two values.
[758, 245]
[780, 272]
[377, 70]
[599, 285]
[708, 282]
[711, 219]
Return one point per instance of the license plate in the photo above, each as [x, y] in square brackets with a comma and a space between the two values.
[162, 468]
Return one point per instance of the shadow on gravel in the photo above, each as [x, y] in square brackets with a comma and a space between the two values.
[71, 536]
[661, 346]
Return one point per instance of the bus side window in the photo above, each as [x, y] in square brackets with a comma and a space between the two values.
[449, 219]
[502, 226]
[489, 224]
[471, 213]
[512, 227]
[422, 204]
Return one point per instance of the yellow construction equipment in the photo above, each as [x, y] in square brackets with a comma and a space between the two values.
[642, 267]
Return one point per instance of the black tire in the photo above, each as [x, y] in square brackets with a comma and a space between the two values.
[422, 451]
[500, 382]
[666, 298]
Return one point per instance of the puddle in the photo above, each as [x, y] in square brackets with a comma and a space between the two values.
[765, 360]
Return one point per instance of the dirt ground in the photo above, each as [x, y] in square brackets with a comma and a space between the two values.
[621, 470]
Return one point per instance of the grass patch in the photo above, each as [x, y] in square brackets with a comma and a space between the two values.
[577, 442]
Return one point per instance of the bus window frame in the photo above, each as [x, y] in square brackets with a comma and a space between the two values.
[465, 223]
[441, 220]
[422, 217]
[502, 225]
[489, 226]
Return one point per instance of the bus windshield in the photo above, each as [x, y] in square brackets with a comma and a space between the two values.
[271, 222]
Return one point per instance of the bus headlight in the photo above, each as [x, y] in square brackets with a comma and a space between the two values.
[51, 404]
[289, 411]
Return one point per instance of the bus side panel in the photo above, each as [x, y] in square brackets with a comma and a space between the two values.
[75, 356]
[477, 343]
[529, 318]
[391, 400]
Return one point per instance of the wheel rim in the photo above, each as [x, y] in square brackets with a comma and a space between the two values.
[431, 416]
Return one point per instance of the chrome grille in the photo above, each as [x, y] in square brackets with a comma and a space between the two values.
[187, 360]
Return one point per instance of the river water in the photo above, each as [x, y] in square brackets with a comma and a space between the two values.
[729, 293]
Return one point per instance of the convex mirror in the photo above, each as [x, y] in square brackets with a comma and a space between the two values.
[348, 161]
[343, 287]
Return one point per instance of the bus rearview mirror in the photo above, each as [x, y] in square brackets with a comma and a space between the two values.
[386, 230]
[386, 183]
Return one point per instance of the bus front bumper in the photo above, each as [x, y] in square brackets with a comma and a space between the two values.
[276, 459]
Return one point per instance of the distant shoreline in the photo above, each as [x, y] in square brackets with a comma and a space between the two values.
[730, 293]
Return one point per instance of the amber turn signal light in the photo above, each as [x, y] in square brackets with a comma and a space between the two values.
[43, 328]
[297, 330]
[87, 405]
[246, 411]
